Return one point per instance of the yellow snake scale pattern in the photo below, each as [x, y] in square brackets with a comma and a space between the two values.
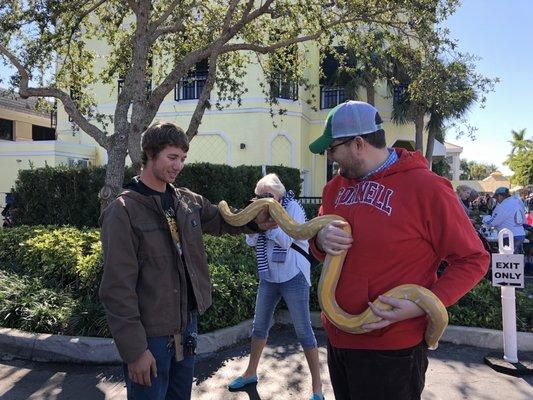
[435, 310]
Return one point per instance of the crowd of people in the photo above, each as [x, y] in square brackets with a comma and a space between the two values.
[491, 213]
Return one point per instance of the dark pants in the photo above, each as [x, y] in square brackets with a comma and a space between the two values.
[378, 374]
[174, 379]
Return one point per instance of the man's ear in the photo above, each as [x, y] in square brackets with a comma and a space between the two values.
[360, 143]
[149, 155]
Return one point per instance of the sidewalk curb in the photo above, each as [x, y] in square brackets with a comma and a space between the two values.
[91, 350]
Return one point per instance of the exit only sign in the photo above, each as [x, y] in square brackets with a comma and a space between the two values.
[508, 270]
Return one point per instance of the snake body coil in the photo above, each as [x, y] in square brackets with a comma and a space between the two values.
[331, 270]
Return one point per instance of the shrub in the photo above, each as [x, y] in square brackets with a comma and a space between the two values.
[88, 318]
[234, 278]
[61, 257]
[57, 271]
[481, 307]
[49, 278]
[25, 304]
[69, 196]
[233, 298]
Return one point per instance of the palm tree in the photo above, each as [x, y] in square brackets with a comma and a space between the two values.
[365, 64]
[459, 97]
[404, 110]
[519, 142]
[453, 99]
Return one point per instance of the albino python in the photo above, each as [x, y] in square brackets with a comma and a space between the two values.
[331, 270]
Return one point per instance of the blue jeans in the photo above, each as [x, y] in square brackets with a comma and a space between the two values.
[174, 379]
[295, 292]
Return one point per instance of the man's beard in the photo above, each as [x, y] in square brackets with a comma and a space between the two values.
[352, 171]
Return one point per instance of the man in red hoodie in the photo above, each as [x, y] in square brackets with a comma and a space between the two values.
[405, 220]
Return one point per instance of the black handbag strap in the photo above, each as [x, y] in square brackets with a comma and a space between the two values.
[304, 253]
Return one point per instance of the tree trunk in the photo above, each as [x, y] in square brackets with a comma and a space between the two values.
[430, 146]
[114, 175]
[419, 131]
[370, 93]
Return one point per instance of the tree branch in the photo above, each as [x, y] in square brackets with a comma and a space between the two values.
[196, 118]
[155, 32]
[77, 24]
[161, 20]
[68, 103]
[230, 13]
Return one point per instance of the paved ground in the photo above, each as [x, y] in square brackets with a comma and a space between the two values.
[455, 372]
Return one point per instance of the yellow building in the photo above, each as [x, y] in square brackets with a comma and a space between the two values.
[248, 134]
[28, 139]
[237, 135]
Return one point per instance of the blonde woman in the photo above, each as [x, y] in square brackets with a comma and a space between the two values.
[284, 271]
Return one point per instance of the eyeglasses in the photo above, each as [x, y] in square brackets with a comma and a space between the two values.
[331, 149]
[265, 195]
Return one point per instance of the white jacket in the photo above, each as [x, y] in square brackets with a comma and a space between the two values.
[294, 261]
[508, 214]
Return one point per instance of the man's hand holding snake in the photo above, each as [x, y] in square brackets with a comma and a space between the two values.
[332, 239]
[401, 309]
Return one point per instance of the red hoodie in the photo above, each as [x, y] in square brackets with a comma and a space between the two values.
[404, 221]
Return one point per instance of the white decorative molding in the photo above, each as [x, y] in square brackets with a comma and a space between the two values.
[293, 147]
[225, 137]
[47, 153]
[41, 143]
[110, 107]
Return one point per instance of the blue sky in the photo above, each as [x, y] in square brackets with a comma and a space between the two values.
[501, 33]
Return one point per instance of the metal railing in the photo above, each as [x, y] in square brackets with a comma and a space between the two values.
[190, 88]
[330, 96]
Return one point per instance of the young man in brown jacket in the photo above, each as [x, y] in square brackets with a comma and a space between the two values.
[156, 280]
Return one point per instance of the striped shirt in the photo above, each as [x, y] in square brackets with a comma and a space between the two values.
[391, 159]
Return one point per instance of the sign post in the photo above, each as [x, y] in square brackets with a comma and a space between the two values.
[508, 273]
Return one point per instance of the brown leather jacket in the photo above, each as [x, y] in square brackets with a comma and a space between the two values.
[143, 288]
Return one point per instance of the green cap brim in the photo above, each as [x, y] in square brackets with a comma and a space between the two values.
[320, 145]
[323, 142]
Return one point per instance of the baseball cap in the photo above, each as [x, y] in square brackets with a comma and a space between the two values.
[351, 118]
[501, 190]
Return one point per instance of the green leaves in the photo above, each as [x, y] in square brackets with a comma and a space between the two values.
[474, 170]
[49, 280]
[481, 307]
[521, 158]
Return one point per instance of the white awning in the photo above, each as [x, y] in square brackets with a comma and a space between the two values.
[439, 150]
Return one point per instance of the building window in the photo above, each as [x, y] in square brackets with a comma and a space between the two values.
[332, 92]
[190, 87]
[282, 87]
[399, 94]
[6, 129]
[42, 133]
[330, 96]
[78, 163]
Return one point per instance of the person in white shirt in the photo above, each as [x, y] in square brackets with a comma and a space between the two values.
[509, 213]
[284, 271]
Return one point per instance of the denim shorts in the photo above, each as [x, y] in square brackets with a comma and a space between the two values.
[295, 292]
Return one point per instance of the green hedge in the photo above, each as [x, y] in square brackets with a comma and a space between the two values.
[69, 196]
[49, 278]
[481, 307]
[57, 271]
